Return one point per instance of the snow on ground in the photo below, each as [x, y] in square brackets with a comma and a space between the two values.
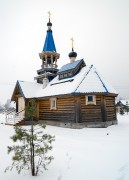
[80, 154]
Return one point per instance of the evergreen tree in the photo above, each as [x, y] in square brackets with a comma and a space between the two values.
[31, 152]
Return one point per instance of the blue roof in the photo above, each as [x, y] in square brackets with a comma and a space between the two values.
[69, 66]
[49, 44]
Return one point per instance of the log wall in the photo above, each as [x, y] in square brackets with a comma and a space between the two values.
[74, 109]
[91, 113]
[104, 110]
[110, 108]
[64, 112]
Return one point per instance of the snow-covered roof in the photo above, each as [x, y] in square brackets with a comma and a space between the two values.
[88, 80]
[29, 89]
[125, 102]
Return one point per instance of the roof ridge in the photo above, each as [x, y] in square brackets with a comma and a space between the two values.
[84, 77]
[22, 81]
[20, 88]
[101, 81]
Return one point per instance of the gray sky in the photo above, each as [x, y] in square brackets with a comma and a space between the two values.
[100, 29]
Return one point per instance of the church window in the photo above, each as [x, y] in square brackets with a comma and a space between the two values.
[90, 100]
[53, 103]
[70, 73]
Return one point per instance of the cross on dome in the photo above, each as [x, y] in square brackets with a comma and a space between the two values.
[72, 55]
[49, 15]
[72, 41]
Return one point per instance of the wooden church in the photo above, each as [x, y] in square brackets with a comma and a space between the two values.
[73, 96]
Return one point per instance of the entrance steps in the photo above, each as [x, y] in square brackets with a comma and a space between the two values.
[14, 119]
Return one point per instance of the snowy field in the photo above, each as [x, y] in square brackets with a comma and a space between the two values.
[80, 154]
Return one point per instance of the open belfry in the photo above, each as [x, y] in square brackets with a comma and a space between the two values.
[73, 96]
[49, 57]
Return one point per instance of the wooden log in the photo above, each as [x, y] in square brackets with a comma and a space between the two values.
[77, 109]
[103, 108]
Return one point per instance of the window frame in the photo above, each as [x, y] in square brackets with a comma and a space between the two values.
[51, 103]
[65, 75]
[61, 76]
[90, 102]
[70, 74]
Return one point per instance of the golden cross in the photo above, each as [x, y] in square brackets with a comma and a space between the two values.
[49, 13]
[72, 40]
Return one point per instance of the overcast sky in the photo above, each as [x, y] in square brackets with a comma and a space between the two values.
[100, 29]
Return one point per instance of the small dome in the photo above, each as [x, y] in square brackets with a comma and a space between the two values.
[49, 24]
[72, 54]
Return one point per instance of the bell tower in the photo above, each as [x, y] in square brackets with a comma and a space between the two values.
[48, 56]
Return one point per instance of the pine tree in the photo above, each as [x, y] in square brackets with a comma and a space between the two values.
[31, 152]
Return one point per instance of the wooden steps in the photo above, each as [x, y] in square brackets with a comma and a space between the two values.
[17, 121]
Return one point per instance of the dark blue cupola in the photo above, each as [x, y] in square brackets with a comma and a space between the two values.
[48, 56]
[72, 55]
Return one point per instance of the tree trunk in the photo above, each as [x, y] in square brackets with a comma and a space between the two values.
[32, 151]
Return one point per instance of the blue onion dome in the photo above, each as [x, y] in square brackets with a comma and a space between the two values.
[72, 54]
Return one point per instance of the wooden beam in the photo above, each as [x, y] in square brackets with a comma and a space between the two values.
[18, 95]
[77, 109]
[103, 109]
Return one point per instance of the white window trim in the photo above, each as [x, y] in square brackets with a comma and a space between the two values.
[90, 102]
[51, 103]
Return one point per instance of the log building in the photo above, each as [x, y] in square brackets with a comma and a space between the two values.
[74, 96]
